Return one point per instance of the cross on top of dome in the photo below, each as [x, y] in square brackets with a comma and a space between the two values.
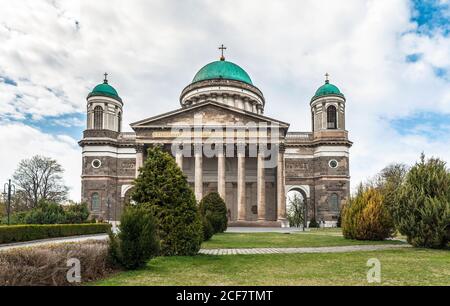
[222, 48]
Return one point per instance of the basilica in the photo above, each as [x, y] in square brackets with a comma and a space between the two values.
[224, 142]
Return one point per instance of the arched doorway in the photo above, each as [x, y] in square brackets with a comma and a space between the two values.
[296, 196]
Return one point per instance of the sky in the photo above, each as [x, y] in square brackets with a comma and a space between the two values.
[391, 59]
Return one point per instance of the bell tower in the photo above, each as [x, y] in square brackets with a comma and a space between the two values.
[328, 108]
[104, 108]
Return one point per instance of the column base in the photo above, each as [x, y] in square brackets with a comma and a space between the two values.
[261, 223]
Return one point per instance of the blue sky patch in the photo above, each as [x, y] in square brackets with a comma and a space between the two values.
[412, 58]
[440, 72]
[70, 124]
[431, 15]
[7, 80]
[427, 124]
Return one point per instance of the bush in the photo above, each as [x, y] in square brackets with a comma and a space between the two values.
[423, 209]
[47, 265]
[51, 213]
[213, 208]
[77, 213]
[365, 217]
[137, 241]
[15, 218]
[208, 230]
[46, 213]
[313, 223]
[20, 233]
[163, 188]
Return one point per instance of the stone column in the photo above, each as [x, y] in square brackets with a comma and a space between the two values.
[242, 207]
[261, 196]
[179, 159]
[281, 193]
[221, 183]
[198, 174]
[139, 158]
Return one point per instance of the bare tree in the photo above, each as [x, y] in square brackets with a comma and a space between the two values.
[40, 178]
[296, 212]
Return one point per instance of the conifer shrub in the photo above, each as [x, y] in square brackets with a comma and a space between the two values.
[208, 230]
[214, 210]
[137, 241]
[163, 188]
[313, 223]
[422, 212]
[365, 217]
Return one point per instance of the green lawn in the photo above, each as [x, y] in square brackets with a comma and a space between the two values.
[317, 238]
[399, 267]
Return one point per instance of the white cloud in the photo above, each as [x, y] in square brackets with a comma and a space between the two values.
[152, 49]
[19, 141]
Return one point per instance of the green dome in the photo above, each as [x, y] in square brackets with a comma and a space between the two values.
[105, 90]
[327, 90]
[222, 70]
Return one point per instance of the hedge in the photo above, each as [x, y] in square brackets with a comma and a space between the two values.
[20, 233]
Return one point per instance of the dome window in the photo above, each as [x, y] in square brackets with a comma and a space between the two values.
[331, 117]
[98, 118]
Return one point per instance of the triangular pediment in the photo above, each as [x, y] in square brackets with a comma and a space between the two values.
[210, 113]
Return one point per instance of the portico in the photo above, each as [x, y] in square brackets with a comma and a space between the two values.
[245, 165]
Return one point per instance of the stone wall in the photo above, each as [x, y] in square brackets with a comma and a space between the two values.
[323, 181]
[107, 181]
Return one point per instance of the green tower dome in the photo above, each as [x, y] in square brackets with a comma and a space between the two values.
[222, 70]
[327, 89]
[105, 90]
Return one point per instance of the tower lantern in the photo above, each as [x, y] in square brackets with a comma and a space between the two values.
[104, 108]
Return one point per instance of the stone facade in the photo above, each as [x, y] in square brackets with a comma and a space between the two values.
[313, 164]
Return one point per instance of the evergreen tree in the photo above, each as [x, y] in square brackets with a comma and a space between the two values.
[423, 209]
[137, 241]
[365, 217]
[213, 208]
[163, 188]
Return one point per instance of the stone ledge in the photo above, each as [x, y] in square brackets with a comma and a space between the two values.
[255, 224]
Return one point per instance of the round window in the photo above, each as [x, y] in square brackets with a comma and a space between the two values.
[96, 163]
[333, 164]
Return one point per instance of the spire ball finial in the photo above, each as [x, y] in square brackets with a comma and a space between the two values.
[327, 78]
[222, 48]
[105, 81]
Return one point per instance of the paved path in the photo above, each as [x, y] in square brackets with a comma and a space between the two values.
[338, 249]
[5, 247]
[252, 251]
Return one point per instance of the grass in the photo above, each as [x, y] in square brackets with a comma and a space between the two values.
[399, 267]
[316, 238]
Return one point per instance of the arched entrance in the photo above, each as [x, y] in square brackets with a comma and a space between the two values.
[297, 196]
